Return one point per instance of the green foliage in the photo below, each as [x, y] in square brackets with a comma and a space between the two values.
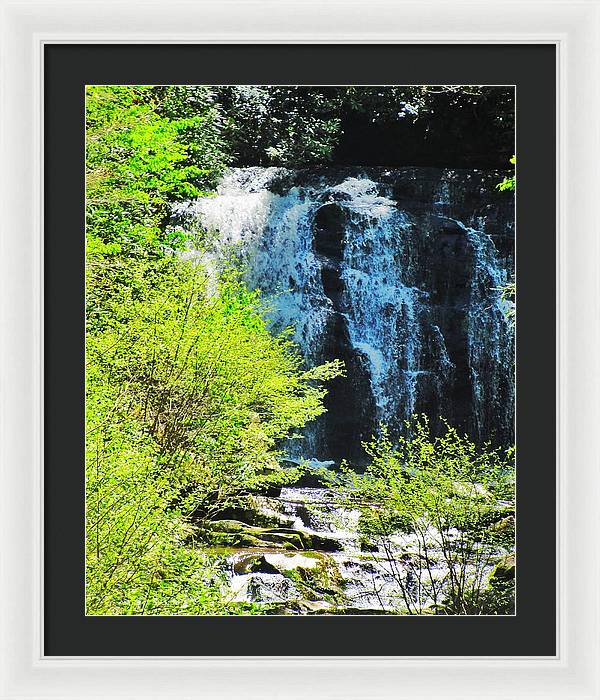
[135, 563]
[447, 495]
[189, 395]
[302, 126]
[282, 125]
[509, 183]
[216, 389]
[201, 127]
[139, 160]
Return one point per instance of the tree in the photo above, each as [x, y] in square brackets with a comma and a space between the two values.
[136, 163]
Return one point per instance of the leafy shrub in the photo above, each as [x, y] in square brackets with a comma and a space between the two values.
[135, 562]
[448, 495]
[188, 397]
[138, 161]
[214, 387]
[509, 183]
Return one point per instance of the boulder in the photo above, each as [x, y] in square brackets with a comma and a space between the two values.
[368, 546]
[230, 526]
[241, 539]
[324, 543]
[260, 511]
[503, 525]
[504, 569]
[352, 610]
[266, 588]
[312, 607]
[253, 563]
[314, 574]
[311, 581]
[294, 539]
[235, 533]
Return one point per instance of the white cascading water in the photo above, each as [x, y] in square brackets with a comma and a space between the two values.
[394, 325]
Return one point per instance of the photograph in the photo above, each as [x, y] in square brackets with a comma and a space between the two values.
[301, 312]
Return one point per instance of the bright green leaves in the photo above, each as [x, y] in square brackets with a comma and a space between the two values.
[213, 387]
[447, 496]
[509, 183]
[189, 395]
[143, 151]
[138, 160]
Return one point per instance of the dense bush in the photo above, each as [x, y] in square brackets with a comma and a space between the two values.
[213, 387]
[137, 162]
[188, 394]
[135, 561]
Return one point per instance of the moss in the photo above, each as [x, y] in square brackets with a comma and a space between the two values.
[505, 568]
[318, 582]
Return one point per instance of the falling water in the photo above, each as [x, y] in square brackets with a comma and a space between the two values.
[397, 272]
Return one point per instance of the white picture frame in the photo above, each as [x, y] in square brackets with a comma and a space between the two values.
[574, 27]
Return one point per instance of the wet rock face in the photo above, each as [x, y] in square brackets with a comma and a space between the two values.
[341, 431]
[329, 229]
[394, 271]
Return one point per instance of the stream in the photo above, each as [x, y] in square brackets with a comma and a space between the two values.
[340, 574]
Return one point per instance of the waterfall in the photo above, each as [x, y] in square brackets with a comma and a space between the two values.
[396, 272]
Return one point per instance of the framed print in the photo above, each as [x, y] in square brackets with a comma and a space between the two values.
[301, 363]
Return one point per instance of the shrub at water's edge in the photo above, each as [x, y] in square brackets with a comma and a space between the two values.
[455, 505]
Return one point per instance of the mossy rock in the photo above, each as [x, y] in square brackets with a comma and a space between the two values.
[315, 574]
[502, 532]
[311, 607]
[250, 535]
[317, 578]
[352, 610]
[241, 539]
[493, 517]
[258, 511]
[503, 525]
[227, 526]
[251, 563]
[238, 534]
[234, 533]
[325, 544]
[292, 539]
[367, 545]
[504, 569]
